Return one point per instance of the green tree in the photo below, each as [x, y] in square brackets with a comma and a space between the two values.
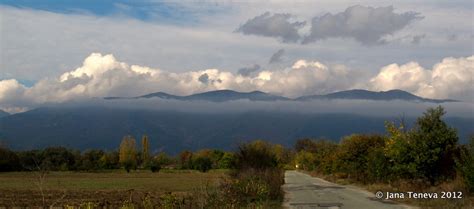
[202, 163]
[127, 154]
[158, 162]
[57, 158]
[436, 143]
[9, 160]
[110, 160]
[466, 164]
[427, 151]
[90, 160]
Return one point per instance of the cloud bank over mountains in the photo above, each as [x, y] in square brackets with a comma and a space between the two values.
[103, 75]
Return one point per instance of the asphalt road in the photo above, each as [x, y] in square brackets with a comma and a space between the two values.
[303, 191]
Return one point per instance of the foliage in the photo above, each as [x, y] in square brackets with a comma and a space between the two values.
[352, 154]
[435, 143]
[427, 151]
[145, 149]
[127, 154]
[90, 160]
[255, 155]
[227, 161]
[305, 160]
[9, 160]
[202, 163]
[466, 164]
[185, 159]
[109, 160]
[158, 162]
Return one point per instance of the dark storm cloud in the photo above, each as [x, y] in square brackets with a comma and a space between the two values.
[276, 25]
[366, 25]
[277, 57]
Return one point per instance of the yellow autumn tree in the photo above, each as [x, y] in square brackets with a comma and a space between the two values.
[145, 149]
[127, 154]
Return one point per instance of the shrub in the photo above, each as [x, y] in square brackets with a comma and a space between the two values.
[154, 165]
[253, 187]
[352, 154]
[255, 155]
[227, 161]
[305, 160]
[202, 163]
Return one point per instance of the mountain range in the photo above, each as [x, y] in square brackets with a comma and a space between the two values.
[229, 95]
[3, 113]
[102, 127]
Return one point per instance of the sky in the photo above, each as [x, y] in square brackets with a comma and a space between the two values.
[57, 51]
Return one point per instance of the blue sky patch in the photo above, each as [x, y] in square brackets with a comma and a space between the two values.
[150, 11]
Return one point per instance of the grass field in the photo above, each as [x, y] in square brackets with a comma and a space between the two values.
[113, 180]
[20, 188]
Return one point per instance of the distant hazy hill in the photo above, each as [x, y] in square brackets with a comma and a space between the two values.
[214, 96]
[228, 95]
[99, 127]
[371, 95]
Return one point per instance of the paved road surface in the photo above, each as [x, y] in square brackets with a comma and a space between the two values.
[303, 191]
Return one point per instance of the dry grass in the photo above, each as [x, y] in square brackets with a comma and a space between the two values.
[112, 180]
[111, 187]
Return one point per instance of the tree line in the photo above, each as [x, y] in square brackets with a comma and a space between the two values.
[429, 153]
[127, 156]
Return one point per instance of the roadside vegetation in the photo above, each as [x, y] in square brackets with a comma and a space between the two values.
[424, 158]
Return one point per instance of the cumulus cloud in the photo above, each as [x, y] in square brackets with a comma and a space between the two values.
[451, 78]
[367, 25]
[277, 25]
[103, 75]
[277, 57]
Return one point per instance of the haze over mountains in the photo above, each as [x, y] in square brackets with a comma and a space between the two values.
[219, 119]
[229, 95]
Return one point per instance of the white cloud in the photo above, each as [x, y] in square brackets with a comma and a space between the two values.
[451, 78]
[103, 75]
